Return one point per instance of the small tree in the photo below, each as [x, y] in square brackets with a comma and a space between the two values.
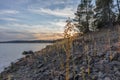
[68, 32]
[69, 29]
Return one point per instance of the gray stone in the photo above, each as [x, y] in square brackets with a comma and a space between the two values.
[100, 67]
[40, 65]
[100, 54]
[46, 72]
[71, 76]
[100, 74]
[56, 78]
[95, 70]
[115, 63]
[115, 55]
[61, 77]
[113, 48]
[116, 69]
[107, 78]
[76, 68]
[107, 55]
[108, 68]
[117, 73]
[103, 61]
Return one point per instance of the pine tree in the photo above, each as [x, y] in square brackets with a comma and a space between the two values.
[118, 6]
[104, 12]
[83, 15]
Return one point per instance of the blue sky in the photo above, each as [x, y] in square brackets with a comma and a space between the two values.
[34, 19]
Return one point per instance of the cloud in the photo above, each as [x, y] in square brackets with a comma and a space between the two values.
[58, 23]
[9, 11]
[16, 31]
[48, 36]
[34, 28]
[66, 12]
[5, 36]
[9, 19]
[52, 36]
[11, 36]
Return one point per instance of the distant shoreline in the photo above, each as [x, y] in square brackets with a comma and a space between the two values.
[32, 41]
[24, 42]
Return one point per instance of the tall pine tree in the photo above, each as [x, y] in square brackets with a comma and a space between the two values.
[118, 6]
[83, 15]
[104, 12]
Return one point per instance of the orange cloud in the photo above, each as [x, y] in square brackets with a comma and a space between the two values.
[48, 36]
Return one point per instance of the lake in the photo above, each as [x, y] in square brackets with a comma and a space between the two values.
[10, 52]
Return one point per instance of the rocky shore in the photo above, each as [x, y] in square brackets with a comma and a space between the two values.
[94, 56]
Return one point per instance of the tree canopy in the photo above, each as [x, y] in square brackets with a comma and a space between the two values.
[91, 16]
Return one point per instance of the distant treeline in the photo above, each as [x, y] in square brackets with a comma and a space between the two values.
[32, 41]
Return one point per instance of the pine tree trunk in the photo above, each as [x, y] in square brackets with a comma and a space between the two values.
[87, 27]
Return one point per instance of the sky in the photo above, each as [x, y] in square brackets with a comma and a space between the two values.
[34, 19]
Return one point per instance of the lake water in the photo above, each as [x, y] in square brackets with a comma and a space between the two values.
[10, 52]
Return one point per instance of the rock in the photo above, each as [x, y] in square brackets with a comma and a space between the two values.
[77, 77]
[103, 61]
[117, 73]
[31, 52]
[46, 72]
[77, 57]
[108, 68]
[100, 75]
[115, 55]
[119, 57]
[41, 70]
[115, 63]
[107, 78]
[96, 59]
[94, 77]
[84, 63]
[76, 69]
[61, 77]
[71, 77]
[40, 65]
[100, 67]
[56, 78]
[100, 54]
[107, 55]
[90, 53]
[116, 69]
[88, 70]
[27, 52]
[113, 48]
[95, 70]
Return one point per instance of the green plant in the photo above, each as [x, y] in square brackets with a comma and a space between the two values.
[69, 28]
[9, 77]
[83, 73]
[45, 59]
[109, 43]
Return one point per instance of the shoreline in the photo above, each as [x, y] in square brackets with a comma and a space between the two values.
[8, 64]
